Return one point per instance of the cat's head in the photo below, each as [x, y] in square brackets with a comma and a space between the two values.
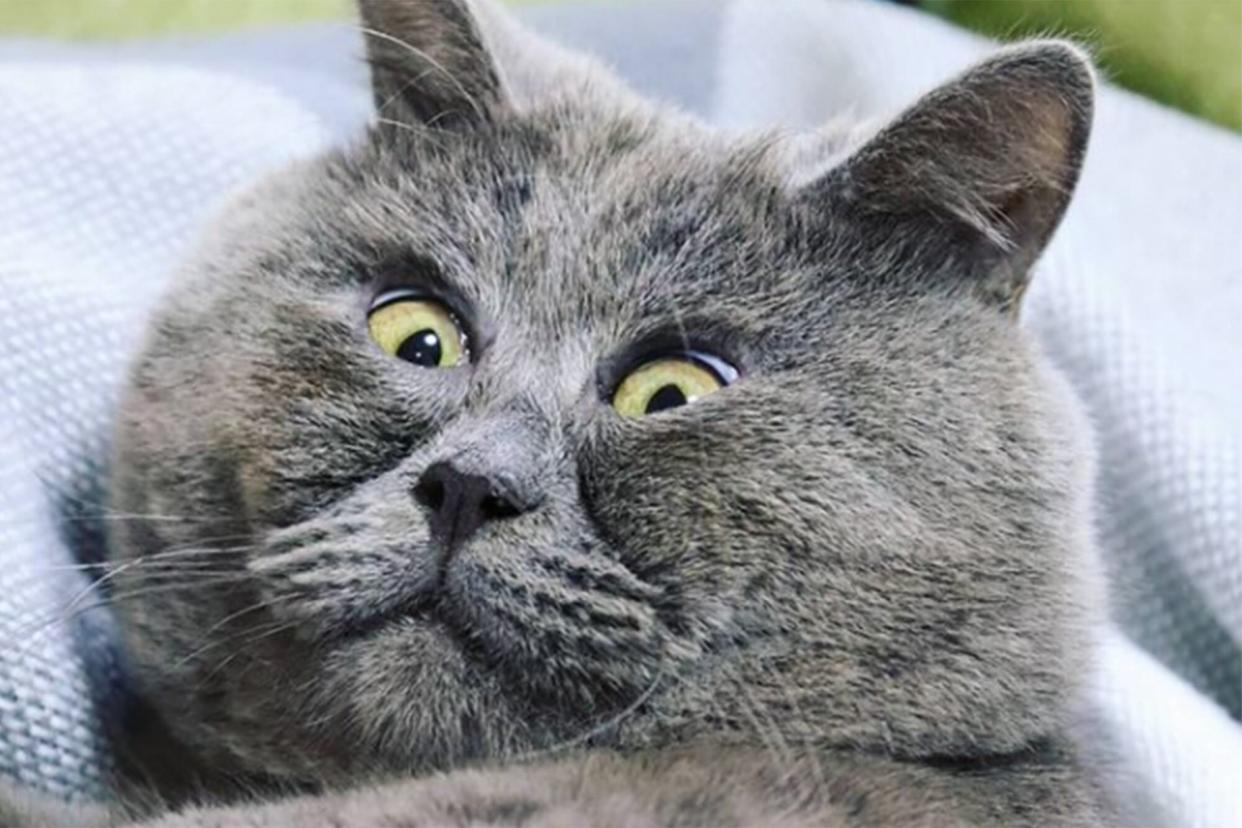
[543, 416]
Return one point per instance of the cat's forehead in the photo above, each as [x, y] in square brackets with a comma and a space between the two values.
[611, 184]
[620, 208]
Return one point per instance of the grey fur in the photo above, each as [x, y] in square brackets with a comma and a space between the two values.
[866, 567]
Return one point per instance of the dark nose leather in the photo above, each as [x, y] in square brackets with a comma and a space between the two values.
[461, 503]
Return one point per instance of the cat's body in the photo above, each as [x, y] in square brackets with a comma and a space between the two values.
[852, 586]
[695, 787]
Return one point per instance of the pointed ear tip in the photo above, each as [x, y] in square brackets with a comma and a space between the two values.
[1054, 76]
[1065, 63]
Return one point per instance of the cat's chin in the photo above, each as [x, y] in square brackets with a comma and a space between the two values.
[417, 615]
[409, 651]
[401, 696]
[432, 687]
[417, 623]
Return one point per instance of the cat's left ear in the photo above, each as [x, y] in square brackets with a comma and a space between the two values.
[979, 171]
[429, 58]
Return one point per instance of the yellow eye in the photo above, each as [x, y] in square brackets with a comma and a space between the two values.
[668, 383]
[420, 331]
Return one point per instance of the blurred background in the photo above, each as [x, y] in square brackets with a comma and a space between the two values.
[1185, 53]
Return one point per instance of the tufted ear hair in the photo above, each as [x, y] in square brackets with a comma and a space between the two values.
[451, 63]
[430, 59]
[985, 163]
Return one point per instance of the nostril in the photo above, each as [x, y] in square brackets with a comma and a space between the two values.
[494, 508]
[459, 503]
[430, 493]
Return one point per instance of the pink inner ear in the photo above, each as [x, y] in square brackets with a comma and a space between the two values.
[1016, 121]
[995, 151]
[1052, 136]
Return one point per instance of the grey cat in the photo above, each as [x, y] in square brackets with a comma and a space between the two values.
[546, 458]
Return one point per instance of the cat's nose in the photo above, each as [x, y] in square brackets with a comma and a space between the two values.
[460, 503]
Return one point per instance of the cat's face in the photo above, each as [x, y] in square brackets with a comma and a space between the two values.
[689, 449]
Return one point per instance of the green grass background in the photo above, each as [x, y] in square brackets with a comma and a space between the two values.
[95, 19]
[132, 18]
[1187, 53]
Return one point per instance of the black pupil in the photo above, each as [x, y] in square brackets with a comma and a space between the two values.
[423, 348]
[670, 396]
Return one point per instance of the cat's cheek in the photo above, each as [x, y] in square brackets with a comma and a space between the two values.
[265, 501]
[653, 492]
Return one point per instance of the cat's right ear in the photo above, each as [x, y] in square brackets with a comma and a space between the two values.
[429, 61]
[974, 177]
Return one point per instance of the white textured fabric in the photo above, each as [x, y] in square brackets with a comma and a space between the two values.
[109, 160]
